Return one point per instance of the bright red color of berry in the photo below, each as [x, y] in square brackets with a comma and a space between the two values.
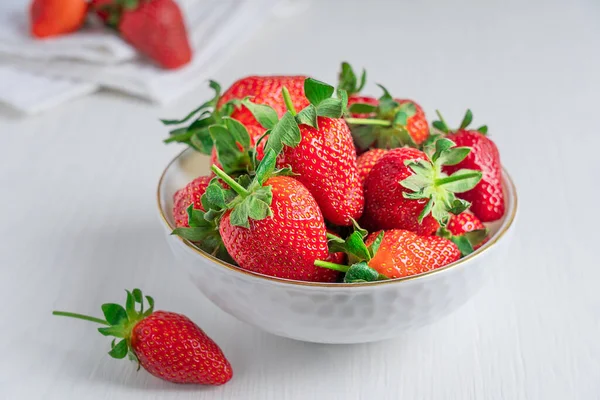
[156, 28]
[403, 253]
[487, 198]
[463, 223]
[325, 161]
[385, 206]
[287, 244]
[366, 161]
[190, 194]
[264, 90]
[171, 347]
[56, 17]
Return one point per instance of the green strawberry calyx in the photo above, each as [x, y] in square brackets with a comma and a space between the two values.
[348, 80]
[119, 321]
[196, 134]
[203, 228]
[429, 182]
[441, 125]
[251, 198]
[388, 128]
[285, 131]
[359, 254]
[467, 241]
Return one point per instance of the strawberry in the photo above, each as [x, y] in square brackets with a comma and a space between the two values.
[384, 123]
[157, 30]
[287, 233]
[403, 253]
[264, 90]
[466, 231]
[366, 161]
[487, 198]
[390, 254]
[406, 189]
[167, 345]
[317, 145]
[56, 17]
[190, 194]
[102, 8]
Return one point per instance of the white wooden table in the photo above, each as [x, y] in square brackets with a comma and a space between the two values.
[79, 220]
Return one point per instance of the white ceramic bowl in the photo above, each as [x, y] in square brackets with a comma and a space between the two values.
[330, 312]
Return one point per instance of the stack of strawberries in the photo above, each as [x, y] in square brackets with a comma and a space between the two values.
[154, 27]
[288, 196]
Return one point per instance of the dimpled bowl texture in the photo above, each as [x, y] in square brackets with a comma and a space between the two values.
[330, 313]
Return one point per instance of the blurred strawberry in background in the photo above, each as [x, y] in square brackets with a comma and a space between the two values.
[56, 17]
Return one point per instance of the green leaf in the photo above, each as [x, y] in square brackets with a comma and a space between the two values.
[466, 120]
[258, 209]
[266, 167]
[130, 306]
[463, 244]
[342, 95]
[330, 108]
[374, 247]
[401, 118]
[214, 197]
[363, 82]
[461, 181]
[453, 156]
[240, 214]
[116, 331]
[137, 295]
[477, 236]
[416, 182]
[361, 272]
[195, 234]
[356, 246]
[426, 210]
[286, 132]
[386, 95]
[195, 217]
[238, 131]
[409, 108]
[440, 126]
[230, 157]
[187, 117]
[363, 135]
[421, 167]
[308, 116]
[362, 108]
[120, 350]
[317, 91]
[114, 314]
[150, 310]
[202, 141]
[441, 145]
[363, 232]
[439, 212]
[483, 129]
[458, 205]
[347, 79]
[264, 114]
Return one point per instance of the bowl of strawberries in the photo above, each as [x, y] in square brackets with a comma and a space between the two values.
[329, 216]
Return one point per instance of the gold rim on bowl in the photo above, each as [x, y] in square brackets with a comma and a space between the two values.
[506, 224]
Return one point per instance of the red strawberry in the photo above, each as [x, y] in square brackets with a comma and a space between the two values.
[167, 345]
[466, 231]
[487, 198]
[384, 123]
[156, 28]
[56, 17]
[103, 8]
[366, 161]
[264, 90]
[287, 233]
[325, 161]
[406, 189]
[190, 194]
[403, 253]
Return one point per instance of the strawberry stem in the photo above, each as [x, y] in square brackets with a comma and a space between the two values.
[439, 114]
[449, 179]
[332, 236]
[288, 101]
[368, 121]
[80, 316]
[239, 189]
[330, 265]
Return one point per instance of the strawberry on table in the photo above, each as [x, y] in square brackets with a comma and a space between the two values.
[167, 345]
[407, 189]
[487, 198]
[155, 28]
[273, 225]
[190, 194]
[56, 17]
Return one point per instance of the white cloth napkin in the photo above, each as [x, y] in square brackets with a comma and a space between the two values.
[94, 57]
